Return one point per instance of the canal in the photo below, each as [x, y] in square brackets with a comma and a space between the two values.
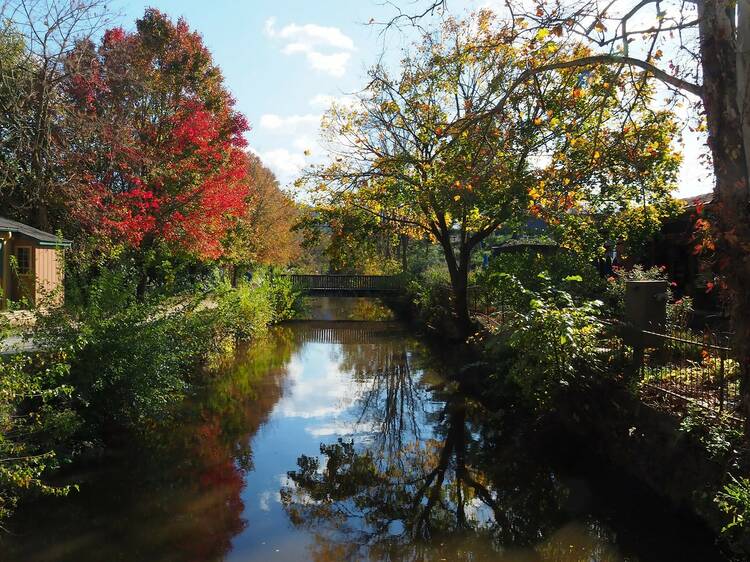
[341, 438]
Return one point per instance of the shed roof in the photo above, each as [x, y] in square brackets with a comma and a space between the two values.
[44, 238]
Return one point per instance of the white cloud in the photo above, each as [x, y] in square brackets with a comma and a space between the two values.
[295, 142]
[341, 428]
[327, 49]
[284, 163]
[334, 64]
[264, 500]
[320, 388]
[289, 124]
[310, 34]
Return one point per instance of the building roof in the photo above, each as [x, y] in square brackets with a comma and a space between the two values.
[529, 242]
[703, 199]
[44, 238]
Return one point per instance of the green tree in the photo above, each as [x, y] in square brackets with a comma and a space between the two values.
[414, 151]
[696, 50]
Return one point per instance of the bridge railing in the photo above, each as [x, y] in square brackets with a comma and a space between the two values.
[345, 282]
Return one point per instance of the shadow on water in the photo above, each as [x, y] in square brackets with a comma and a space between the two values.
[342, 440]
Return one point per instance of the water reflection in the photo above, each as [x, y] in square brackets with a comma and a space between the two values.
[176, 496]
[339, 440]
[436, 477]
[408, 501]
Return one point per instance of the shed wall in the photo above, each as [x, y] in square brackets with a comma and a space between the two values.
[49, 276]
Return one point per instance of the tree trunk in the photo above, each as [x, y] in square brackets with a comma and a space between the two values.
[459, 273]
[144, 263]
[404, 248]
[41, 216]
[732, 201]
[39, 150]
[743, 71]
[460, 286]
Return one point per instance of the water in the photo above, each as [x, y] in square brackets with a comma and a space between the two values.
[340, 440]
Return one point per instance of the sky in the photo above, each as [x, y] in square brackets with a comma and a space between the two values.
[285, 60]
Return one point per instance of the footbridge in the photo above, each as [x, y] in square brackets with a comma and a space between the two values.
[343, 285]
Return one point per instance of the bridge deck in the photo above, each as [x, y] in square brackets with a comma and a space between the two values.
[337, 284]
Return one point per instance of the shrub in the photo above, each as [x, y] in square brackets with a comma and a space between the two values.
[718, 435]
[553, 342]
[531, 270]
[247, 309]
[35, 416]
[679, 313]
[285, 301]
[130, 360]
[734, 501]
[430, 293]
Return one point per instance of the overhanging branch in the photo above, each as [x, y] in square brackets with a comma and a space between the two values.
[593, 60]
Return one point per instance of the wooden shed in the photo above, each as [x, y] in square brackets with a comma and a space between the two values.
[31, 266]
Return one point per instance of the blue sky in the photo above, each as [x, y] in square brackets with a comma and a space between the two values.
[284, 60]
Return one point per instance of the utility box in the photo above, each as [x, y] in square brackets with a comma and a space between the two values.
[645, 308]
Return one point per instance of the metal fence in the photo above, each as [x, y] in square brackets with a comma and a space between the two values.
[344, 282]
[699, 370]
[679, 366]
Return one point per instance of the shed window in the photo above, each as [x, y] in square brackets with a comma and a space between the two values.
[23, 257]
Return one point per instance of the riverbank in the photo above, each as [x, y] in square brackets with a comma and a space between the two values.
[678, 460]
[686, 466]
[94, 376]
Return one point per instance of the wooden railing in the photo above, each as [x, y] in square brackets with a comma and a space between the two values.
[346, 283]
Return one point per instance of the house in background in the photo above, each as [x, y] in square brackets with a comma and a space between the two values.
[674, 249]
[31, 265]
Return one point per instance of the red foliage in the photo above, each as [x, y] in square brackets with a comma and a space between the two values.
[165, 159]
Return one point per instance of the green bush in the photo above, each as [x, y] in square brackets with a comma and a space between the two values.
[531, 270]
[118, 361]
[247, 308]
[430, 294]
[35, 418]
[734, 501]
[553, 342]
[130, 360]
[285, 301]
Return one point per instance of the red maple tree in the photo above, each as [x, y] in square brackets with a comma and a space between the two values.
[160, 147]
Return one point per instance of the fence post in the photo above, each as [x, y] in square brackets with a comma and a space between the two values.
[722, 354]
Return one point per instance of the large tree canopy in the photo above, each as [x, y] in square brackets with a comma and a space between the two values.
[414, 150]
[264, 233]
[696, 50]
[160, 148]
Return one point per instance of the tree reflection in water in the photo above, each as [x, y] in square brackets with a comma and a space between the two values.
[465, 487]
[177, 496]
[392, 403]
